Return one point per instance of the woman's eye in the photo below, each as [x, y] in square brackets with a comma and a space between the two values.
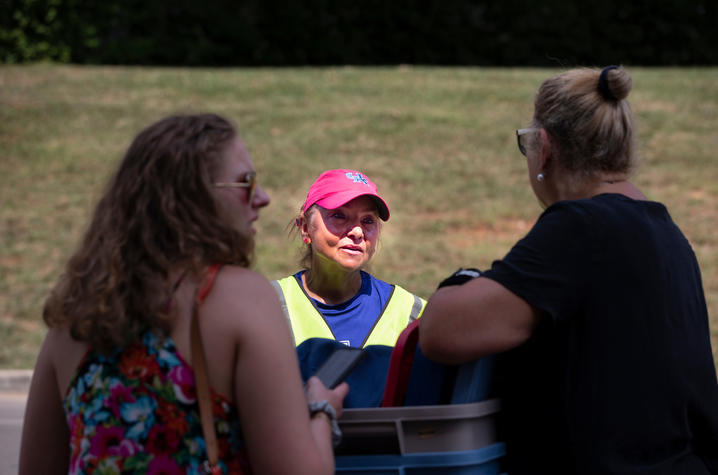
[338, 216]
[368, 220]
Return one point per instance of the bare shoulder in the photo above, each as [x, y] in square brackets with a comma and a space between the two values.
[63, 348]
[243, 295]
[236, 282]
[61, 354]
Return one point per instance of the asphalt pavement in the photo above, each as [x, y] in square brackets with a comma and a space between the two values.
[14, 385]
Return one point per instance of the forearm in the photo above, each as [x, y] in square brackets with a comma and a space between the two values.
[463, 323]
[322, 435]
[443, 330]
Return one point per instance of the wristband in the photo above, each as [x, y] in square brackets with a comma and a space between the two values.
[326, 408]
[460, 277]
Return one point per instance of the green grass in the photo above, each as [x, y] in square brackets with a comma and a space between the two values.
[439, 142]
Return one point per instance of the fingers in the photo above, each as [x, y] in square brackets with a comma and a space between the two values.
[314, 385]
[316, 391]
[340, 392]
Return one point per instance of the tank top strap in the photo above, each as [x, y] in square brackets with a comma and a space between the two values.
[207, 283]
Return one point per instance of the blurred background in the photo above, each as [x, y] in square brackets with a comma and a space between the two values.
[424, 97]
[367, 32]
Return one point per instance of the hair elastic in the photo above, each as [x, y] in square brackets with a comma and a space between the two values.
[603, 84]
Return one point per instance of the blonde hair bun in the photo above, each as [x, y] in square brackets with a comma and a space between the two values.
[614, 83]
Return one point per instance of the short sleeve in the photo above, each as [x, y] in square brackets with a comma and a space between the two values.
[547, 268]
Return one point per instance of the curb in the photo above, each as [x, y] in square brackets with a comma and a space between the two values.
[15, 380]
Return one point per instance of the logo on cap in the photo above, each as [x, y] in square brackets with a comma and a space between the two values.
[357, 178]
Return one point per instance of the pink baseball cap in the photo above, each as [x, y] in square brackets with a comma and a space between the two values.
[334, 188]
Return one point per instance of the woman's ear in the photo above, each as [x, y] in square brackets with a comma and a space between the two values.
[546, 155]
[303, 226]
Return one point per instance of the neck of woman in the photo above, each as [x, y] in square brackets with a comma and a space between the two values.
[619, 184]
[564, 186]
[332, 287]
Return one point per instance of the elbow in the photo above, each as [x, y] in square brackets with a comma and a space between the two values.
[442, 336]
[428, 341]
[435, 346]
[437, 350]
[433, 339]
[431, 348]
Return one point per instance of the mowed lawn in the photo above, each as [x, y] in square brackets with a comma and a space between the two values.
[439, 142]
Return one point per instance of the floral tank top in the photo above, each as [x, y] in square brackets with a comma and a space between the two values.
[135, 411]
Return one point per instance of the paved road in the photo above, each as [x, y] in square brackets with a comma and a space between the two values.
[12, 410]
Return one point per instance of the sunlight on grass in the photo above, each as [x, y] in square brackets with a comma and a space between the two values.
[439, 142]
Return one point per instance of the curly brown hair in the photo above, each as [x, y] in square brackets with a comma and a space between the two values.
[158, 212]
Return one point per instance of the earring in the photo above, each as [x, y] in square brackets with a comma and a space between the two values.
[306, 240]
[539, 177]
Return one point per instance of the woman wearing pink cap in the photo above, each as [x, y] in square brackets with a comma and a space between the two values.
[333, 297]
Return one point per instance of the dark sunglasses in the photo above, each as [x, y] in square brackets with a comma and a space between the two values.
[249, 182]
[521, 137]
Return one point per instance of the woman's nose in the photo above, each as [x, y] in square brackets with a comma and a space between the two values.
[356, 232]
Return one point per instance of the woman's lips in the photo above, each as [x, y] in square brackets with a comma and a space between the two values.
[352, 249]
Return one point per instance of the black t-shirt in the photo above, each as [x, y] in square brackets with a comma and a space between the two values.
[619, 377]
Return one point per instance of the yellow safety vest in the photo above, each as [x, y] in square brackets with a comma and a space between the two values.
[306, 321]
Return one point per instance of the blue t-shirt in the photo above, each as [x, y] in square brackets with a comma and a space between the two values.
[351, 321]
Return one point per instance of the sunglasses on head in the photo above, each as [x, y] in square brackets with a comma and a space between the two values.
[521, 136]
[250, 182]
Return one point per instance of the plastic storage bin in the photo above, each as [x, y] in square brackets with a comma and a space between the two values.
[483, 461]
[415, 429]
[434, 419]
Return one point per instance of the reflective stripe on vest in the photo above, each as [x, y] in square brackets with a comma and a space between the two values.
[307, 322]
